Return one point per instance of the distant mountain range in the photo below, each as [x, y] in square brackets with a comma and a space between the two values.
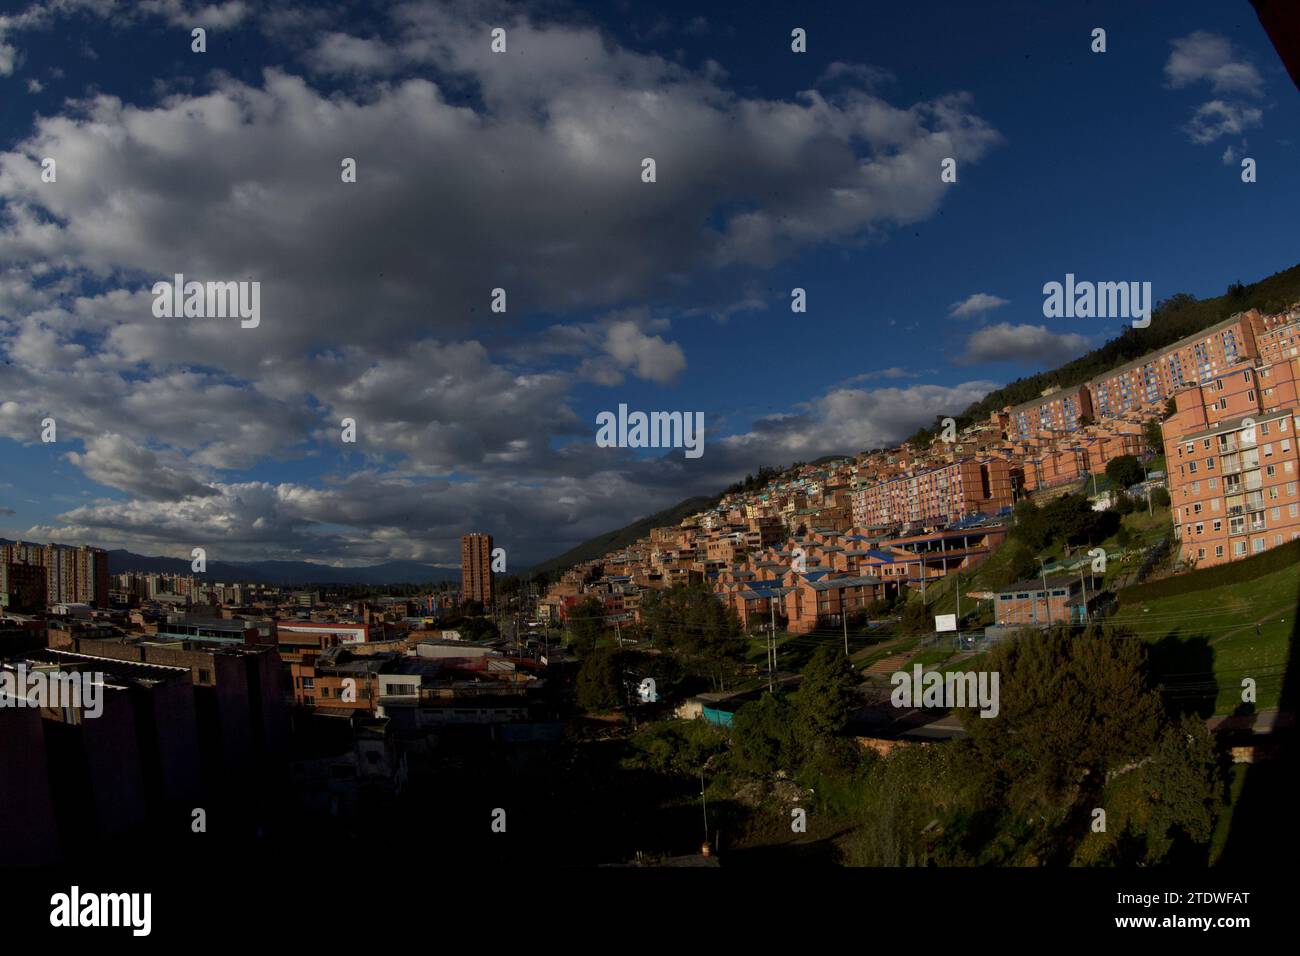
[284, 572]
[288, 572]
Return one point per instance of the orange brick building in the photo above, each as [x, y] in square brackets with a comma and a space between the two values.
[1233, 463]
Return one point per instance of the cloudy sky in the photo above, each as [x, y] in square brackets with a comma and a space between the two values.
[522, 170]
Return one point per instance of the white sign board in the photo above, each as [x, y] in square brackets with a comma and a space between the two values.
[945, 622]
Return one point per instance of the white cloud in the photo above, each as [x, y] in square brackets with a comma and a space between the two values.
[1203, 56]
[1031, 344]
[976, 304]
[120, 463]
[375, 294]
[341, 53]
[1218, 118]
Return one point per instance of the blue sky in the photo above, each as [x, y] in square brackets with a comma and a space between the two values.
[521, 170]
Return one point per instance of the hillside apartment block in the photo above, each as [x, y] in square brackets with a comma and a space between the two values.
[1056, 439]
[1144, 383]
[937, 495]
[1234, 462]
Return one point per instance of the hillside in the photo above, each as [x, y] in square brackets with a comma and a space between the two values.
[1174, 318]
[621, 537]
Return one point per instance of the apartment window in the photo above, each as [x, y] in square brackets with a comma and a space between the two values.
[1209, 464]
[1272, 493]
[1214, 504]
[1270, 470]
[205, 676]
[1238, 548]
[1206, 444]
[1268, 450]
[1293, 511]
[1276, 514]
[1191, 467]
[1196, 508]
[1218, 526]
[1200, 554]
[1213, 483]
[308, 683]
[1258, 545]
[1218, 550]
[1263, 429]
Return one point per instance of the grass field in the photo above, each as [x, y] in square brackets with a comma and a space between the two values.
[1206, 641]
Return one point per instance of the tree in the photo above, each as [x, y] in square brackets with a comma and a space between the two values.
[586, 621]
[1163, 810]
[827, 696]
[1125, 471]
[915, 618]
[690, 623]
[1155, 437]
[600, 680]
[674, 747]
[764, 736]
[1020, 565]
[1160, 497]
[1071, 708]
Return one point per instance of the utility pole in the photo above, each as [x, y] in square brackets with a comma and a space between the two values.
[1084, 584]
[704, 801]
[771, 649]
[958, 590]
[844, 618]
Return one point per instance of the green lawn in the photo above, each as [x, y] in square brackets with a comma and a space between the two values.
[1210, 634]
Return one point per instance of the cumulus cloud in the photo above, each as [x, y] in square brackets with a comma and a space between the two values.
[1216, 118]
[474, 172]
[1203, 56]
[976, 304]
[1028, 344]
[120, 463]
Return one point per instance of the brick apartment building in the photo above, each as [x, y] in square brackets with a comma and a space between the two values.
[1058, 411]
[73, 575]
[938, 495]
[476, 569]
[1233, 463]
[1192, 360]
